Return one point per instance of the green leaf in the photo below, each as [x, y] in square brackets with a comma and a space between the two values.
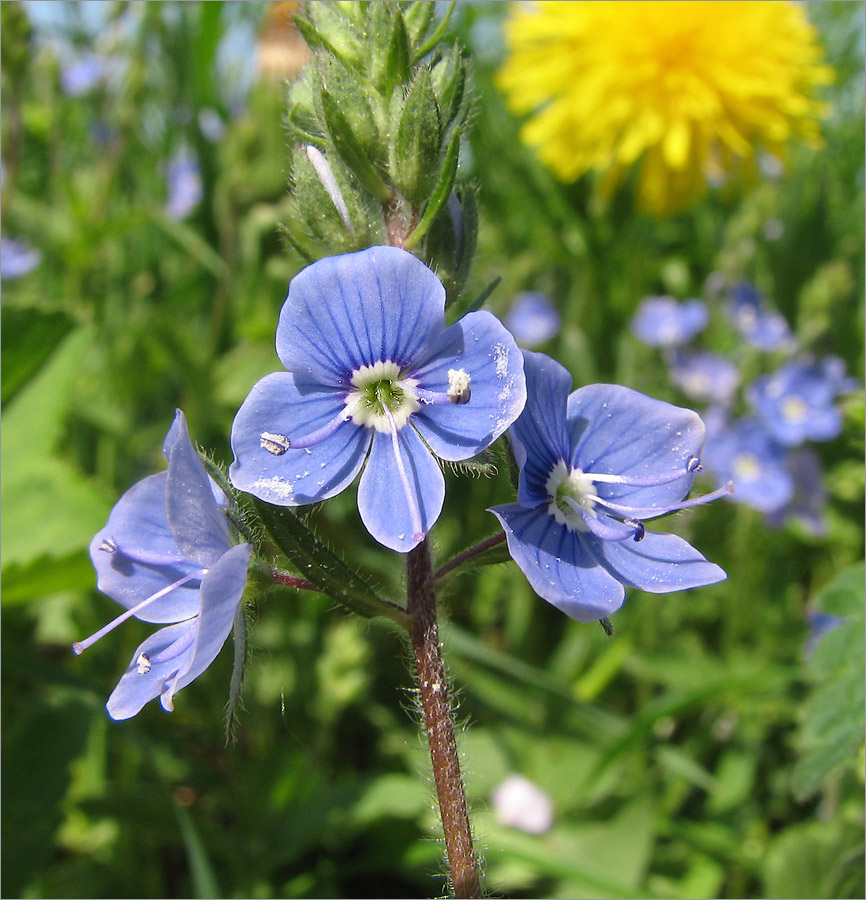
[440, 193]
[29, 337]
[320, 565]
[414, 152]
[350, 150]
[201, 870]
[397, 65]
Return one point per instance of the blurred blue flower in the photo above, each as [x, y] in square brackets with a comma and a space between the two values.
[809, 499]
[703, 375]
[184, 185]
[16, 258]
[593, 464]
[819, 624]
[532, 319]
[764, 329]
[211, 124]
[796, 403]
[83, 75]
[374, 374]
[744, 452]
[665, 322]
[166, 554]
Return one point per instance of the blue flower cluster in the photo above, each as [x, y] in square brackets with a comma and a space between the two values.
[376, 385]
[762, 450]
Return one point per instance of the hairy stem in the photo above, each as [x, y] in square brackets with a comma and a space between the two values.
[454, 562]
[433, 690]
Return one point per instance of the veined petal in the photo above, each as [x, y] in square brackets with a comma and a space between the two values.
[557, 564]
[221, 592]
[382, 500]
[539, 436]
[480, 346]
[615, 430]
[344, 312]
[659, 564]
[136, 687]
[139, 522]
[283, 407]
[171, 439]
[199, 526]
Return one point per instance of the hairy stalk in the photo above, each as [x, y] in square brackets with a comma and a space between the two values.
[486, 544]
[433, 690]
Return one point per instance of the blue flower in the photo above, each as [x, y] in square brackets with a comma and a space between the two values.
[16, 258]
[664, 322]
[703, 375]
[764, 329]
[166, 554]
[796, 404]
[532, 319]
[83, 75]
[374, 374]
[809, 498]
[744, 452]
[593, 464]
[184, 185]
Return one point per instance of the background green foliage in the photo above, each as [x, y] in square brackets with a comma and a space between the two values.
[701, 752]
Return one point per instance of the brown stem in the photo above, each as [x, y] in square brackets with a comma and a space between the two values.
[433, 687]
[295, 581]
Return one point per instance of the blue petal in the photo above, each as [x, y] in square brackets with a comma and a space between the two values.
[557, 564]
[659, 564]
[282, 404]
[344, 312]
[199, 640]
[221, 592]
[199, 526]
[135, 688]
[617, 431]
[382, 501]
[539, 436]
[481, 346]
[139, 522]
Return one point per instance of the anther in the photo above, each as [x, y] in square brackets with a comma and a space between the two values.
[694, 465]
[274, 443]
[109, 545]
[639, 527]
[142, 664]
[459, 391]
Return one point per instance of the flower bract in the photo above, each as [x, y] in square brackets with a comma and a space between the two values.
[166, 554]
[687, 91]
[376, 381]
[593, 465]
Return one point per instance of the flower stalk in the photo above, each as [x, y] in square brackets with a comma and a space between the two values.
[439, 724]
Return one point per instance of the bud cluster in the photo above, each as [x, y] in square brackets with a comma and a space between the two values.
[376, 119]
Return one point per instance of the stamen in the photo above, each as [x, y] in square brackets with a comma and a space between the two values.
[144, 557]
[317, 436]
[414, 514]
[649, 512]
[645, 480]
[80, 646]
[639, 527]
[694, 464]
[459, 391]
[173, 650]
[274, 443]
[602, 526]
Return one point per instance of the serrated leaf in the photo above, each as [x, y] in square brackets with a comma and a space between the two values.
[320, 565]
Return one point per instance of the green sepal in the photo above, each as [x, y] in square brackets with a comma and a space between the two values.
[350, 150]
[328, 26]
[352, 99]
[320, 565]
[440, 193]
[315, 206]
[240, 654]
[449, 82]
[481, 466]
[418, 16]
[414, 151]
[398, 68]
[437, 35]
[301, 119]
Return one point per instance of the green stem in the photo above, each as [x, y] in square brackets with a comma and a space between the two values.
[461, 558]
[439, 723]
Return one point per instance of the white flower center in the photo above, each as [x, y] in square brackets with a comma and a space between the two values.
[794, 410]
[746, 467]
[568, 490]
[378, 388]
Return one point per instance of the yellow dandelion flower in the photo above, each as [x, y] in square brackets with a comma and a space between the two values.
[688, 90]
